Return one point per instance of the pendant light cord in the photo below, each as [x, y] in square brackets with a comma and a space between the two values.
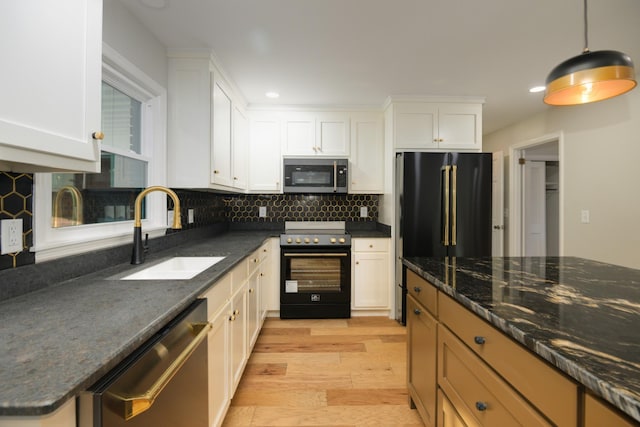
[586, 30]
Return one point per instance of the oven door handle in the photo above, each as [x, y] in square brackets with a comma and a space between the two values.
[327, 255]
[134, 405]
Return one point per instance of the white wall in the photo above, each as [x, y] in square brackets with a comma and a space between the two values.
[131, 39]
[601, 173]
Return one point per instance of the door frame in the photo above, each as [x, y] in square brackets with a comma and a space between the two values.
[515, 229]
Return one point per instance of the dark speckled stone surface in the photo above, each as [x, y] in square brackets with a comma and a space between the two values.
[57, 341]
[581, 316]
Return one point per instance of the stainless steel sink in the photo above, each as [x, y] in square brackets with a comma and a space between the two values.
[177, 268]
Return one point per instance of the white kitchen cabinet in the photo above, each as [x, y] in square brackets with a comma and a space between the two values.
[207, 129]
[316, 134]
[219, 390]
[371, 280]
[265, 161]
[51, 72]
[237, 315]
[437, 126]
[367, 154]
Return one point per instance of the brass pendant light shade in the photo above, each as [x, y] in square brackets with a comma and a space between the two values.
[590, 77]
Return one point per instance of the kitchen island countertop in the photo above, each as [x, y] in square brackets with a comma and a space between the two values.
[581, 316]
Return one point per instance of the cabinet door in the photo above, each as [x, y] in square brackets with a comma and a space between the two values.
[253, 309]
[299, 134]
[332, 134]
[221, 123]
[218, 349]
[240, 149]
[415, 126]
[598, 414]
[238, 330]
[265, 162]
[447, 416]
[371, 280]
[421, 360]
[367, 154]
[460, 126]
[51, 71]
[189, 123]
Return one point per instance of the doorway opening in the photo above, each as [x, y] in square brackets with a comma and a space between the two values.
[536, 197]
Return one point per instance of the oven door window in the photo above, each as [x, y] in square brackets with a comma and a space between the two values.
[314, 273]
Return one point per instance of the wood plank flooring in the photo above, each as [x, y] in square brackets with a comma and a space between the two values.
[328, 372]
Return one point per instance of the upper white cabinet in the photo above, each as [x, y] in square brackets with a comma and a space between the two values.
[265, 161]
[50, 85]
[208, 129]
[437, 126]
[316, 134]
[367, 153]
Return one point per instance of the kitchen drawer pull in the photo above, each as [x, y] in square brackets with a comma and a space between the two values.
[416, 311]
[481, 406]
[133, 406]
[417, 289]
[479, 340]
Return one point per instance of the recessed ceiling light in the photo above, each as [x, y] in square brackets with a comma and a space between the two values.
[272, 95]
[537, 89]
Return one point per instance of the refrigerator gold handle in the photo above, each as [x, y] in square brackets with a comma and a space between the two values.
[445, 240]
[133, 406]
[454, 206]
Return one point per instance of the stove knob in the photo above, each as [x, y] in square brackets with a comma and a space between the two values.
[298, 240]
[341, 240]
[316, 240]
[289, 240]
[332, 240]
[307, 240]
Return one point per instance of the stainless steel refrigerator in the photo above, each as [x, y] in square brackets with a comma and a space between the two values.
[443, 209]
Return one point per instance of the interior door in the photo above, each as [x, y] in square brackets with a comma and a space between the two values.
[534, 209]
[497, 204]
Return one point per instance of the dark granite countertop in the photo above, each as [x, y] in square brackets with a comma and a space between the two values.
[59, 340]
[581, 316]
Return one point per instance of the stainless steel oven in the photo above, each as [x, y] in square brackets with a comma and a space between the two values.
[315, 272]
[163, 383]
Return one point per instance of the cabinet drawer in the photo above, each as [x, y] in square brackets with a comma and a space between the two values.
[371, 245]
[479, 395]
[545, 387]
[217, 295]
[423, 292]
[598, 414]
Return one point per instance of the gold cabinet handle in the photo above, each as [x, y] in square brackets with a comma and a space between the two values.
[250, 290]
[216, 171]
[135, 405]
[98, 135]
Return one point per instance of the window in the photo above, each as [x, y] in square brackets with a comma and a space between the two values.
[78, 212]
[90, 198]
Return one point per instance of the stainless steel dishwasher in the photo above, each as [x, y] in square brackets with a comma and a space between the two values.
[163, 383]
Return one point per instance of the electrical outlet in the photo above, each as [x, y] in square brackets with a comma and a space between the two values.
[190, 214]
[262, 211]
[364, 212]
[585, 216]
[11, 234]
[169, 218]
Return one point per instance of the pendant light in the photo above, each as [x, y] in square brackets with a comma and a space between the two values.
[590, 76]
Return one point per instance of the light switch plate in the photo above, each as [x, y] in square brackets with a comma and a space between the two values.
[11, 236]
[585, 216]
[169, 218]
[190, 216]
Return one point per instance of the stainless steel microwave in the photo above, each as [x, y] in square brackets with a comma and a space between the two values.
[315, 175]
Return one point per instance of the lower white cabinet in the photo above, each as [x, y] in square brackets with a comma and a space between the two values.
[219, 393]
[236, 312]
[371, 281]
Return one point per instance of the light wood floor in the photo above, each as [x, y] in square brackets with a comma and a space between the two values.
[329, 372]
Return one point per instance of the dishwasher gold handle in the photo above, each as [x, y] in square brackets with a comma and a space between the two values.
[135, 405]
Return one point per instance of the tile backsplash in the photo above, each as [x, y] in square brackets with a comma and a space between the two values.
[16, 202]
[16, 196]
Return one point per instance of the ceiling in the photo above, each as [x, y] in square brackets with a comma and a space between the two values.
[356, 53]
